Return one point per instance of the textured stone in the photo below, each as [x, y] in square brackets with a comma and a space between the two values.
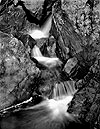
[16, 78]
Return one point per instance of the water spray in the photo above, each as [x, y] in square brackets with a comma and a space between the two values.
[42, 32]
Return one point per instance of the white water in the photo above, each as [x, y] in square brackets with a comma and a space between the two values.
[62, 92]
[51, 113]
[42, 32]
[57, 106]
[62, 96]
[47, 61]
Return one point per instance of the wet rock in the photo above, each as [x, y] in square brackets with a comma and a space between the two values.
[63, 31]
[85, 104]
[16, 78]
[2, 69]
[71, 63]
[12, 20]
[19, 76]
[41, 16]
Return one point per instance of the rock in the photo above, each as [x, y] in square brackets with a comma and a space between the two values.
[63, 31]
[15, 77]
[86, 100]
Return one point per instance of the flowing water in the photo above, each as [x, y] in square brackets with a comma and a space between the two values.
[42, 32]
[49, 114]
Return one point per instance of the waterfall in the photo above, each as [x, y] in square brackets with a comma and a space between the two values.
[42, 32]
[63, 92]
[64, 89]
[58, 108]
[47, 61]
[62, 96]
[49, 114]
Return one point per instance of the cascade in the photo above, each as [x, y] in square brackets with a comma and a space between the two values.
[62, 96]
[64, 89]
[42, 32]
[62, 93]
[50, 113]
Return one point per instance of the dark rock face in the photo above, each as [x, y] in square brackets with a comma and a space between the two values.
[85, 104]
[63, 31]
